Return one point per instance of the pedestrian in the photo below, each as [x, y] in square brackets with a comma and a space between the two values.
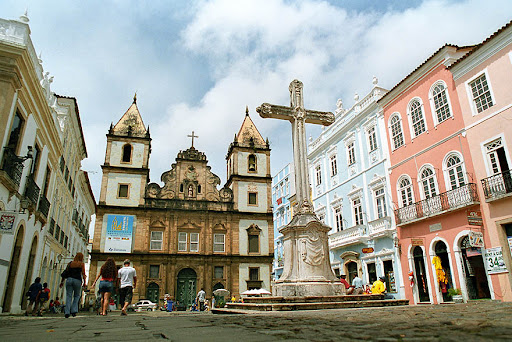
[32, 294]
[127, 277]
[357, 286]
[344, 281]
[44, 295]
[74, 274]
[108, 273]
[378, 286]
[200, 299]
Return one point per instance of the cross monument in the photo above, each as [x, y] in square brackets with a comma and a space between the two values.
[192, 136]
[307, 268]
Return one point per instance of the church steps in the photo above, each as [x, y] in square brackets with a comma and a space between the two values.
[292, 306]
[313, 299]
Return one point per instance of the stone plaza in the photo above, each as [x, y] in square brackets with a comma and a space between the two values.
[475, 321]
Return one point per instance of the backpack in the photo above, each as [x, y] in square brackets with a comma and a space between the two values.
[43, 296]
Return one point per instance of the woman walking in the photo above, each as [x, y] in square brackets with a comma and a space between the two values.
[75, 279]
[108, 274]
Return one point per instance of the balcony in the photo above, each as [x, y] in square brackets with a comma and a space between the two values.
[380, 227]
[455, 199]
[497, 186]
[51, 227]
[12, 169]
[32, 191]
[44, 206]
[355, 234]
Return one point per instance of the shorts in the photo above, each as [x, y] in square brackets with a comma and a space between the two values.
[106, 286]
[125, 294]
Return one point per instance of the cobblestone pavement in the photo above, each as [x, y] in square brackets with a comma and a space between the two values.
[476, 321]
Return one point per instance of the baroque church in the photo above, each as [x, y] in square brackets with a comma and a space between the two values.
[186, 233]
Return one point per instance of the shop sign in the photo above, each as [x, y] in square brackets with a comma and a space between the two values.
[471, 252]
[7, 222]
[494, 260]
[475, 218]
[476, 239]
[417, 242]
[119, 234]
[367, 250]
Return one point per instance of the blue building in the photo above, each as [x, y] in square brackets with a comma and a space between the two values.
[283, 188]
[350, 188]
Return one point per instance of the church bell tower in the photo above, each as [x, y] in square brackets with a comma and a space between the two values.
[125, 170]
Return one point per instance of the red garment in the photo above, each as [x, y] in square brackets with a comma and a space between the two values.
[344, 282]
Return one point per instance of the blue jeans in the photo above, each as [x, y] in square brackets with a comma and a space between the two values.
[73, 293]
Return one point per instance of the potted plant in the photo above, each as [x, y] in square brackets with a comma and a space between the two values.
[456, 295]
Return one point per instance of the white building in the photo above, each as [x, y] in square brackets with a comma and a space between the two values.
[41, 184]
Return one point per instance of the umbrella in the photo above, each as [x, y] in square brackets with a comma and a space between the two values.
[221, 292]
[255, 292]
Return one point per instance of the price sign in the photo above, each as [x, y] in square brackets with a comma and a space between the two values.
[494, 260]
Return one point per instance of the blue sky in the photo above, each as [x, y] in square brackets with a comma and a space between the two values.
[196, 64]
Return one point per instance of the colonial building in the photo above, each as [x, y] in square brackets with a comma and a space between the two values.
[432, 180]
[185, 234]
[482, 79]
[283, 188]
[348, 168]
[46, 201]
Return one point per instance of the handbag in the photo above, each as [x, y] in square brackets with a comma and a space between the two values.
[65, 273]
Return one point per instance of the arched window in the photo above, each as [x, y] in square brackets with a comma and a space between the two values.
[428, 182]
[455, 171]
[127, 153]
[397, 135]
[417, 117]
[440, 102]
[405, 191]
[251, 163]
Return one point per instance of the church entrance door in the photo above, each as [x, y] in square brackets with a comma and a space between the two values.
[153, 293]
[186, 291]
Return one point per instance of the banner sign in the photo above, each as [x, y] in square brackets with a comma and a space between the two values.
[494, 260]
[367, 250]
[7, 222]
[476, 239]
[118, 237]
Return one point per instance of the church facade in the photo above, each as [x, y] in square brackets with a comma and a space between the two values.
[186, 233]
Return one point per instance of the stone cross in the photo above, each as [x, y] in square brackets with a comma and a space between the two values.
[192, 136]
[298, 116]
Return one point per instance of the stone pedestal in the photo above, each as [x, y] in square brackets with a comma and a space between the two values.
[307, 268]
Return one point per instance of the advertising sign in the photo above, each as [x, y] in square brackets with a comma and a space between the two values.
[494, 260]
[118, 237]
[367, 250]
[417, 242]
[7, 222]
[475, 218]
[476, 239]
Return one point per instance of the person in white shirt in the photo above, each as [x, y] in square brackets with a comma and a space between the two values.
[127, 276]
[200, 299]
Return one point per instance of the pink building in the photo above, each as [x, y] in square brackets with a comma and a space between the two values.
[483, 80]
[433, 182]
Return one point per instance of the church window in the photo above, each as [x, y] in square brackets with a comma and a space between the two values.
[199, 189]
[123, 190]
[127, 153]
[253, 198]
[156, 241]
[154, 271]
[252, 163]
[218, 272]
[181, 187]
[219, 242]
[194, 242]
[417, 117]
[253, 235]
[182, 242]
[254, 273]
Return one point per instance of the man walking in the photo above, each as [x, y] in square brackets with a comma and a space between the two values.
[128, 281]
[33, 296]
[200, 298]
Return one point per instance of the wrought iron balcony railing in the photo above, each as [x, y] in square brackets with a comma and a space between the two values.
[497, 185]
[32, 190]
[447, 201]
[13, 166]
[44, 206]
[51, 227]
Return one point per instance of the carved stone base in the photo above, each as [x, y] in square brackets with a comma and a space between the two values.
[308, 289]
[307, 268]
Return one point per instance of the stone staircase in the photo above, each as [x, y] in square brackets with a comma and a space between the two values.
[313, 303]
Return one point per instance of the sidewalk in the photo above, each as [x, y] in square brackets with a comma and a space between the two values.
[476, 321]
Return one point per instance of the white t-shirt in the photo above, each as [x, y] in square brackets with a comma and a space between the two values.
[126, 275]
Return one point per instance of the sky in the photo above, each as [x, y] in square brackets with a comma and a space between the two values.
[196, 65]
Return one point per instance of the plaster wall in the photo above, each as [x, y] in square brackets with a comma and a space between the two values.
[243, 276]
[261, 164]
[134, 185]
[243, 237]
[262, 197]
[116, 154]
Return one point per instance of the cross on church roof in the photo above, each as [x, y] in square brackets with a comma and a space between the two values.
[192, 136]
